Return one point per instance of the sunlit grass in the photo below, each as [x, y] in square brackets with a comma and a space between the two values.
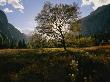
[48, 50]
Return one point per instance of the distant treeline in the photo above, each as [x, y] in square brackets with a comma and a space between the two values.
[5, 42]
[39, 41]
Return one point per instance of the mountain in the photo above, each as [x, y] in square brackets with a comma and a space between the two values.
[15, 33]
[8, 30]
[97, 22]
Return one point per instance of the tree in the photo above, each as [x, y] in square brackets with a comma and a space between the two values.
[21, 44]
[24, 44]
[1, 41]
[73, 36]
[13, 43]
[54, 20]
[37, 41]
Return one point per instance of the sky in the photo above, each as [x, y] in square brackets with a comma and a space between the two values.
[21, 13]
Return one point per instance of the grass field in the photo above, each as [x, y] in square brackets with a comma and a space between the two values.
[90, 64]
[96, 50]
[46, 50]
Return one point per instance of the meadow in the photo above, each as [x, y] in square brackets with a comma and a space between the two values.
[90, 64]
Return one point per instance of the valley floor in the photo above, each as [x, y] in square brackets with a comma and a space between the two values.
[91, 64]
[46, 50]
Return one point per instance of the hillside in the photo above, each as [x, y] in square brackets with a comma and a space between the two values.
[8, 30]
[97, 23]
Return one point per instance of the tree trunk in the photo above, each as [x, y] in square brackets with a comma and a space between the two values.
[63, 43]
[63, 38]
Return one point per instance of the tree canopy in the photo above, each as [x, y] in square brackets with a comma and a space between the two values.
[55, 20]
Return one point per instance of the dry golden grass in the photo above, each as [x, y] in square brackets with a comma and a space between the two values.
[48, 50]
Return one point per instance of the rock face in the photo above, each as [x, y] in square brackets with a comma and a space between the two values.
[97, 22]
[8, 30]
[3, 23]
[15, 33]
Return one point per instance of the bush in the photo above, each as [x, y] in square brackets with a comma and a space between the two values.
[86, 41]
